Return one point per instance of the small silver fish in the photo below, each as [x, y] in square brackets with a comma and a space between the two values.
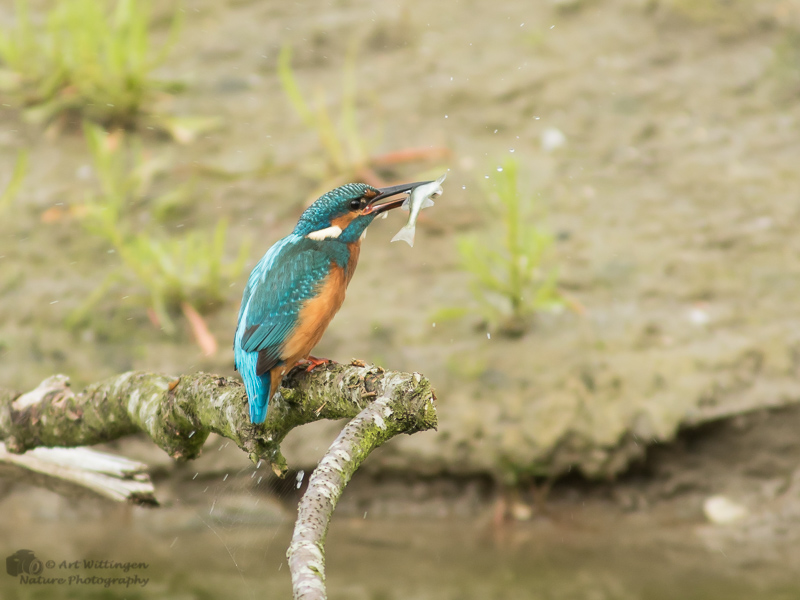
[420, 197]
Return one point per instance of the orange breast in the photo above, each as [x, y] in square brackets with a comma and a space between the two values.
[315, 316]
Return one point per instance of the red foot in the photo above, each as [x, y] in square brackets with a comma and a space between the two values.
[313, 362]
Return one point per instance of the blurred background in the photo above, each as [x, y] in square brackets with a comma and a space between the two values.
[603, 298]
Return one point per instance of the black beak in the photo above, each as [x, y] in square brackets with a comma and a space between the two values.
[388, 192]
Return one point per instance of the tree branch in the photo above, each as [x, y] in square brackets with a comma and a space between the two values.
[179, 413]
[385, 418]
[72, 471]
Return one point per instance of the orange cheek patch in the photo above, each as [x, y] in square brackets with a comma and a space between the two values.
[345, 220]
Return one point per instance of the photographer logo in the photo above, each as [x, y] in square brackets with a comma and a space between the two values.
[29, 569]
[23, 561]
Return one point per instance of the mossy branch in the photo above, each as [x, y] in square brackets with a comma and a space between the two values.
[179, 413]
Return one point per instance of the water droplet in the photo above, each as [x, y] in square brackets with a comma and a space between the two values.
[511, 150]
[552, 139]
[299, 478]
[488, 335]
[499, 169]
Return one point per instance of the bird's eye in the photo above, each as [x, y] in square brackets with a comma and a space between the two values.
[355, 204]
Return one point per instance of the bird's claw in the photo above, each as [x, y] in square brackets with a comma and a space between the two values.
[313, 362]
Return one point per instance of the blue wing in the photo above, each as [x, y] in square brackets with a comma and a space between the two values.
[291, 278]
[287, 276]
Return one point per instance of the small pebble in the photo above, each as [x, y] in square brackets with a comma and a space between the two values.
[721, 510]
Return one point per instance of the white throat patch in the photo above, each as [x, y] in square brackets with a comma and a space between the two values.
[334, 231]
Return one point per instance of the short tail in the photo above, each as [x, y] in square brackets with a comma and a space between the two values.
[406, 234]
[258, 398]
[258, 387]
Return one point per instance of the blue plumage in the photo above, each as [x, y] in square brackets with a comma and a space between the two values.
[246, 357]
[286, 277]
[289, 276]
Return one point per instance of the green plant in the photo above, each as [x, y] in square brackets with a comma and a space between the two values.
[84, 58]
[173, 274]
[510, 279]
[343, 146]
[346, 152]
[15, 182]
[319, 119]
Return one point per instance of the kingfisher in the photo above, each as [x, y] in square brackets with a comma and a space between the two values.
[298, 286]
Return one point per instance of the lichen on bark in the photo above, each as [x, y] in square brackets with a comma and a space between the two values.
[178, 413]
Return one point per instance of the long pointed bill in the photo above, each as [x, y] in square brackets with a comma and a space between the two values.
[388, 192]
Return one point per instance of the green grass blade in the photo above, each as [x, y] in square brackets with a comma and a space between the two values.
[327, 135]
[80, 314]
[15, 183]
[291, 89]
